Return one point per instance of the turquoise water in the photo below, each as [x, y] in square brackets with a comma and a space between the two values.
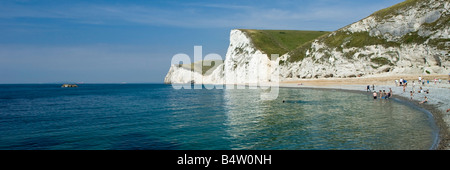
[156, 116]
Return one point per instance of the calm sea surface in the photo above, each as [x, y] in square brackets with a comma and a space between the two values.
[156, 116]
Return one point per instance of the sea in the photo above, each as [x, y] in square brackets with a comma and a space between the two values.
[159, 117]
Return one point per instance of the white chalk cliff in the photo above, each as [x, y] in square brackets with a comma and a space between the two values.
[408, 38]
[243, 64]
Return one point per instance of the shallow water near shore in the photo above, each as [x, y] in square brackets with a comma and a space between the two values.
[156, 116]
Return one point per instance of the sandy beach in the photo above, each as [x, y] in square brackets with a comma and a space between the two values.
[438, 96]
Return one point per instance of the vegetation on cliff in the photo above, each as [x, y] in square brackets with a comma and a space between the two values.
[280, 41]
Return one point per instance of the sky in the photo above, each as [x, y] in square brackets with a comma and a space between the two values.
[133, 41]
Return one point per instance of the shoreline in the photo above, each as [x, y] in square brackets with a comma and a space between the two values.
[435, 108]
[443, 128]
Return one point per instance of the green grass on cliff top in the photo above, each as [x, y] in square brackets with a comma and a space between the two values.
[392, 10]
[196, 66]
[280, 41]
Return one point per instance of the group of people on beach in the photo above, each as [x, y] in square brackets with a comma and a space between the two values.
[422, 81]
[382, 94]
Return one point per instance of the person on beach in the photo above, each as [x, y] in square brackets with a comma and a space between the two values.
[401, 81]
[404, 88]
[373, 86]
[420, 90]
[420, 79]
[424, 101]
[390, 93]
[374, 94]
[368, 88]
[411, 92]
[413, 85]
[381, 94]
[396, 82]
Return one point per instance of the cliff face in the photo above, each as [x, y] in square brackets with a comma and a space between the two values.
[408, 38]
[243, 64]
[180, 75]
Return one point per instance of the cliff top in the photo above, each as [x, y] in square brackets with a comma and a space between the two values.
[196, 66]
[409, 22]
[280, 41]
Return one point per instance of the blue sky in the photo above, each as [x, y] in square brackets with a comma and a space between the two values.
[43, 41]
